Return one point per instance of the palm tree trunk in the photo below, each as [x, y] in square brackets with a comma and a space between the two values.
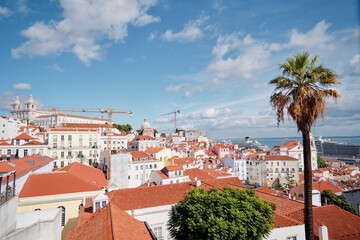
[308, 213]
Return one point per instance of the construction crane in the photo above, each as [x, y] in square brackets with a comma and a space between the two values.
[174, 112]
[109, 111]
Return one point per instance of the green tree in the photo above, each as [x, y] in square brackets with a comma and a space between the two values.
[321, 162]
[291, 182]
[279, 187]
[227, 214]
[340, 201]
[301, 91]
[123, 128]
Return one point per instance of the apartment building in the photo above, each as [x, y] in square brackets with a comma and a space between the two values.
[74, 145]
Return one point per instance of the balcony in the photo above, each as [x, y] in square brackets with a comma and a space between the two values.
[80, 156]
[69, 157]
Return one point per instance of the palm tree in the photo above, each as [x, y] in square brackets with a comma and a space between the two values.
[301, 92]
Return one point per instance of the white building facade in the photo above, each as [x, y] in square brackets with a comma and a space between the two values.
[9, 127]
[238, 165]
[74, 145]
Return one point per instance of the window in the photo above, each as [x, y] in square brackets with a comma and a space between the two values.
[69, 154]
[278, 163]
[70, 137]
[9, 152]
[62, 137]
[97, 205]
[62, 215]
[41, 151]
[62, 164]
[38, 209]
[284, 163]
[55, 138]
[291, 238]
[17, 142]
[62, 154]
[25, 152]
[158, 233]
[103, 203]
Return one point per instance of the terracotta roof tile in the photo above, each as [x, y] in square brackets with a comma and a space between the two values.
[154, 150]
[23, 136]
[33, 143]
[290, 144]
[278, 157]
[110, 223]
[144, 197]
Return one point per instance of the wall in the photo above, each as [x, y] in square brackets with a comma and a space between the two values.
[285, 232]
[120, 170]
[353, 197]
[44, 224]
[8, 216]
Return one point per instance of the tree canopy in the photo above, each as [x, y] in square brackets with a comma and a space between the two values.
[123, 127]
[340, 201]
[227, 214]
[321, 162]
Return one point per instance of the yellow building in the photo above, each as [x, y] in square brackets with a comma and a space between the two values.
[162, 154]
[63, 189]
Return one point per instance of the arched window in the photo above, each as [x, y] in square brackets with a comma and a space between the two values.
[62, 215]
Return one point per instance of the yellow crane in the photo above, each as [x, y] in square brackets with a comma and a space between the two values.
[174, 112]
[109, 111]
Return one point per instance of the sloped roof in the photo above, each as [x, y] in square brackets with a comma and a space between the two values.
[110, 223]
[33, 143]
[144, 197]
[340, 223]
[290, 144]
[87, 173]
[278, 157]
[54, 183]
[139, 154]
[23, 136]
[154, 150]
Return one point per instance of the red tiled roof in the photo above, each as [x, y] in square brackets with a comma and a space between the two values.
[110, 223]
[23, 136]
[72, 130]
[221, 145]
[281, 221]
[154, 150]
[71, 179]
[324, 185]
[54, 183]
[174, 168]
[198, 173]
[340, 223]
[290, 144]
[4, 144]
[89, 174]
[33, 143]
[182, 161]
[143, 137]
[139, 154]
[144, 197]
[265, 190]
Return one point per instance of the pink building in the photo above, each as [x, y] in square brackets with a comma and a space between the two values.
[221, 150]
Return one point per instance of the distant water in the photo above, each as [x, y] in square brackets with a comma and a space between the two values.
[271, 142]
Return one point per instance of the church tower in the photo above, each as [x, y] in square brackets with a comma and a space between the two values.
[16, 108]
[30, 108]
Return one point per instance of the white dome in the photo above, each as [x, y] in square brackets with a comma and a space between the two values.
[145, 124]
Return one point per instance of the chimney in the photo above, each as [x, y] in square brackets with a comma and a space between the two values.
[323, 233]
[198, 183]
[83, 201]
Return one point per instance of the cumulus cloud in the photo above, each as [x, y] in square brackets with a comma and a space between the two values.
[219, 6]
[315, 39]
[83, 32]
[163, 120]
[190, 32]
[152, 36]
[4, 12]
[21, 86]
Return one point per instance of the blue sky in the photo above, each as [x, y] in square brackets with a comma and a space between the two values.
[210, 59]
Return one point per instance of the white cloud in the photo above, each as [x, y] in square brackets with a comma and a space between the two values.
[4, 12]
[152, 36]
[189, 33]
[355, 65]
[21, 86]
[219, 6]
[58, 68]
[163, 120]
[313, 40]
[82, 32]
[250, 56]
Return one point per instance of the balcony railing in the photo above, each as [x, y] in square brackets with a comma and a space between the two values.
[6, 195]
